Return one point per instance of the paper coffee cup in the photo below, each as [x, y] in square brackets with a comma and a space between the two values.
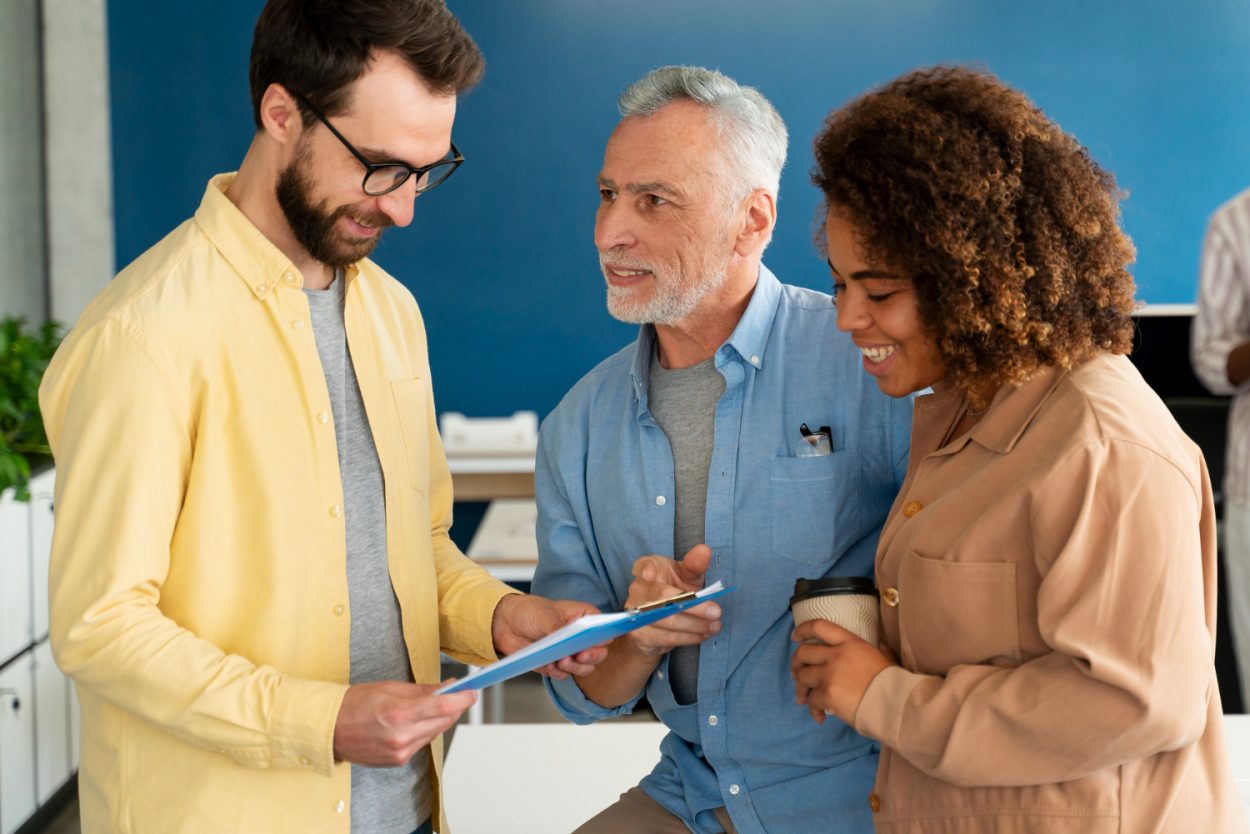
[847, 601]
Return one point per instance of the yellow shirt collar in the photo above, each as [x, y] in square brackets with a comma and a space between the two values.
[261, 264]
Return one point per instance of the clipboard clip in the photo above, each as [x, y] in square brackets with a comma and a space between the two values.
[663, 603]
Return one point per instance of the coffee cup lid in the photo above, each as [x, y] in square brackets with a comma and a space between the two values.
[831, 585]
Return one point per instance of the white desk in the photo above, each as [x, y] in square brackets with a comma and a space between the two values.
[543, 778]
[486, 478]
[1237, 734]
[505, 542]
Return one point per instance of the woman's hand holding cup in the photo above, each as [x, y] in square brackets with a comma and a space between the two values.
[837, 621]
[832, 669]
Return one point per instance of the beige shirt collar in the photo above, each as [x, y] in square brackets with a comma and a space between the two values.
[1008, 415]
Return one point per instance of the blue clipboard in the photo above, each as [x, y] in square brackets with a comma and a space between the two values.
[583, 633]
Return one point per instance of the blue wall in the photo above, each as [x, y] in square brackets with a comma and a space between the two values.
[501, 259]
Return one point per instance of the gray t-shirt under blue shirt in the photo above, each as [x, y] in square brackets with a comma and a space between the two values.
[392, 800]
[683, 401]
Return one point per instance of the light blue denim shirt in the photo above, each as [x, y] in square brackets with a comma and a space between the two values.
[605, 480]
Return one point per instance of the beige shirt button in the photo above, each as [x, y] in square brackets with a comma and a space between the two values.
[874, 802]
[338, 610]
[340, 807]
[323, 417]
[660, 500]
[336, 511]
[289, 278]
[890, 597]
[911, 508]
[298, 324]
[712, 720]
[262, 288]
[734, 790]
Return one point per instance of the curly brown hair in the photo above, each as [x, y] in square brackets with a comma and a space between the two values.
[1007, 227]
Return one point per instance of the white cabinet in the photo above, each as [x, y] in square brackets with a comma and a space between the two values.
[15, 613]
[38, 711]
[52, 747]
[40, 548]
[17, 744]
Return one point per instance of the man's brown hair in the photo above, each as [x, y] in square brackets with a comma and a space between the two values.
[317, 48]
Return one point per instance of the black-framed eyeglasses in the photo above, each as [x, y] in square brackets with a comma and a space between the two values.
[384, 177]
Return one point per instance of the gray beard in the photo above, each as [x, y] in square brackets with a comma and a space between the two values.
[666, 307]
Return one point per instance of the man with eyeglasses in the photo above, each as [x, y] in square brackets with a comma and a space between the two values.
[252, 576]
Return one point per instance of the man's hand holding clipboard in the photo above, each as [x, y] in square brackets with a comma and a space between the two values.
[657, 580]
[591, 630]
[666, 606]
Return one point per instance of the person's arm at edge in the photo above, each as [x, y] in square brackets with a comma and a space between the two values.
[1219, 342]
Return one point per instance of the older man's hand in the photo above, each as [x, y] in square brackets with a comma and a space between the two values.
[658, 577]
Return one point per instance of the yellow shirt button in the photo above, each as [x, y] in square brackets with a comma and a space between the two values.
[890, 597]
[324, 417]
[874, 802]
[289, 278]
[336, 511]
[911, 508]
[262, 288]
[304, 761]
[298, 324]
[340, 807]
[338, 610]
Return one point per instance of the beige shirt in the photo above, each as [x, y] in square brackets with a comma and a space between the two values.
[1048, 584]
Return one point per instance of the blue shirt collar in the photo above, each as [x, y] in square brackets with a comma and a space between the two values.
[749, 339]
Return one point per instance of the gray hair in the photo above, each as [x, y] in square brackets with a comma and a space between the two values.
[754, 134]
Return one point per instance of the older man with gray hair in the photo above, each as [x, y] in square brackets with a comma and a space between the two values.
[736, 439]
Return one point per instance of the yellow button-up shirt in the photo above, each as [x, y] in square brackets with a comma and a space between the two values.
[199, 582]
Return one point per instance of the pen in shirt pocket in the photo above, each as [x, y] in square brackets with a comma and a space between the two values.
[814, 444]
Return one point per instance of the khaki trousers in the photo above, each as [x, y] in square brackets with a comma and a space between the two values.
[637, 813]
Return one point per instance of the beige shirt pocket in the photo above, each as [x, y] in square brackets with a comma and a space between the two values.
[956, 613]
[411, 407]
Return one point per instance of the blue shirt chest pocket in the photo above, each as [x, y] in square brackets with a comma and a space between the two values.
[815, 506]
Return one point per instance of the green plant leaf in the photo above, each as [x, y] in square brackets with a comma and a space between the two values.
[24, 356]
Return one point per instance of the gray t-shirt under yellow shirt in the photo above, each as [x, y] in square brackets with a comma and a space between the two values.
[683, 401]
[391, 800]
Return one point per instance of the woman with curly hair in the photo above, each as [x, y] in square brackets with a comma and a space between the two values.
[1047, 573]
